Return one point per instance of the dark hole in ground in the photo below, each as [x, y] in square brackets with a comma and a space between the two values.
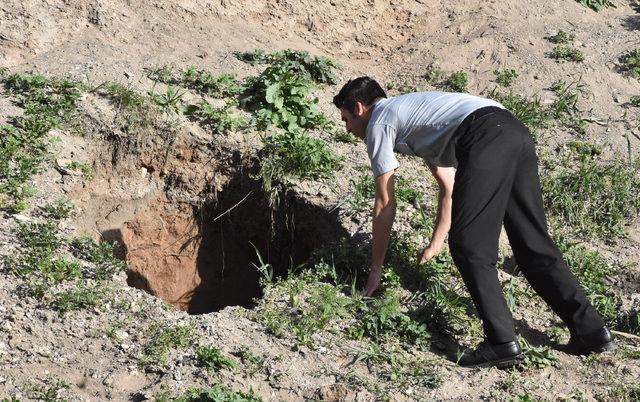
[284, 238]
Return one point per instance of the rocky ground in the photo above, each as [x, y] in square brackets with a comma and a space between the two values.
[182, 202]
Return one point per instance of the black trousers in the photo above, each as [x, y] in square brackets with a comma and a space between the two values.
[497, 182]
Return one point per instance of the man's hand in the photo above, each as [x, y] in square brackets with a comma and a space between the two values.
[373, 282]
[428, 254]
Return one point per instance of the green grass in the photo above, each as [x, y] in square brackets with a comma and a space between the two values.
[48, 389]
[216, 393]
[84, 168]
[252, 363]
[597, 5]
[59, 209]
[565, 107]
[136, 112]
[163, 341]
[593, 198]
[630, 62]
[531, 112]
[80, 298]
[567, 53]
[217, 86]
[295, 155]
[212, 358]
[505, 77]
[458, 81]
[101, 254]
[635, 101]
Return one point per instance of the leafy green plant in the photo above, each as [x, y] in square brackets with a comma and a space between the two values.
[41, 238]
[567, 53]
[635, 101]
[433, 74]
[84, 168]
[597, 5]
[217, 393]
[538, 357]
[79, 298]
[218, 119]
[49, 390]
[220, 86]
[252, 363]
[265, 269]
[169, 100]
[561, 38]
[457, 81]
[59, 209]
[212, 358]
[295, 155]
[316, 68]
[505, 77]
[257, 56]
[163, 341]
[162, 74]
[340, 135]
[630, 62]
[101, 254]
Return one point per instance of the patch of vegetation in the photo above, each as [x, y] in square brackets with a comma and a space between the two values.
[218, 86]
[630, 62]
[252, 363]
[295, 155]
[84, 168]
[635, 101]
[363, 193]
[340, 135]
[434, 74]
[170, 100]
[59, 209]
[619, 391]
[627, 352]
[316, 68]
[538, 357]
[49, 390]
[565, 107]
[165, 340]
[81, 298]
[505, 77]
[561, 38]
[217, 393]
[591, 197]
[457, 81]
[136, 112]
[162, 74]
[597, 5]
[101, 254]
[212, 358]
[24, 144]
[567, 53]
[402, 88]
[218, 119]
[531, 112]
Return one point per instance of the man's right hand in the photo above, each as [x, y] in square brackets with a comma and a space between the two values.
[373, 282]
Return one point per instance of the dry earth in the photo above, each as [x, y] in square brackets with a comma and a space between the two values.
[145, 191]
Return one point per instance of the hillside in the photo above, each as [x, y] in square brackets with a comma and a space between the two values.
[177, 224]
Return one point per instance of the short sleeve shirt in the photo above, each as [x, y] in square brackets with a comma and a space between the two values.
[422, 124]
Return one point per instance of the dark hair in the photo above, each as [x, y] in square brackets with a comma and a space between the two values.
[361, 89]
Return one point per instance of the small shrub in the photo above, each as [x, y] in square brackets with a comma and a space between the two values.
[212, 358]
[84, 168]
[60, 209]
[79, 298]
[169, 100]
[252, 363]
[631, 62]
[561, 38]
[567, 53]
[458, 81]
[162, 74]
[433, 74]
[597, 5]
[316, 68]
[41, 238]
[163, 341]
[101, 254]
[220, 86]
[505, 77]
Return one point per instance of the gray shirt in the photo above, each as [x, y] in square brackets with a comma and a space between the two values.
[420, 123]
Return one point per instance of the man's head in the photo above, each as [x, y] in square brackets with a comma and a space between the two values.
[355, 101]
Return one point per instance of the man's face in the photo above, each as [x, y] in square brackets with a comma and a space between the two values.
[354, 123]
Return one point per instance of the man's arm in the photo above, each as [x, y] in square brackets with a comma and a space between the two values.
[384, 212]
[445, 177]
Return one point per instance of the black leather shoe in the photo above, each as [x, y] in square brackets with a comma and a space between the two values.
[595, 342]
[487, 355]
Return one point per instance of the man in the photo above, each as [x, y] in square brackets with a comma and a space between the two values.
[485, 164]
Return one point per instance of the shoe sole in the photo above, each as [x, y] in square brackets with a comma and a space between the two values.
[501, 364]
[607, 347]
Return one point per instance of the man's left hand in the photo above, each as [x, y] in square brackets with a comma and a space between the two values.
[428, 254]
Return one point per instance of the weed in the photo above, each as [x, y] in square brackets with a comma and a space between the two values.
[341, 135]
[635, 101]
[316, 68]
[84, 168]
[591, 197]
[163, 341]
[505, 77]
[295, 155]
[457, 81]
[101, 254]
[627, 352]
[416, 373]
[212, 358]
[597, 5]
[531, 112]
[169, 100]
[218, 119]
[567, 53]
[219, 86]
[265, 269]
[565, 107]
[252, 363]
[49, 390]
[619, 391]
[257, 56]
[433, 74]
[136, 111]
[217, 393]
[76, 299]
[538, 357]
[561, 38]
[363, 192]
[162, 74]
[402, 88]
[59, 209]
[631, 62]
[41, 238]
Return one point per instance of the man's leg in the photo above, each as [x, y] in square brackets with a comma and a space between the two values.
[487, 157]
[539, 259]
